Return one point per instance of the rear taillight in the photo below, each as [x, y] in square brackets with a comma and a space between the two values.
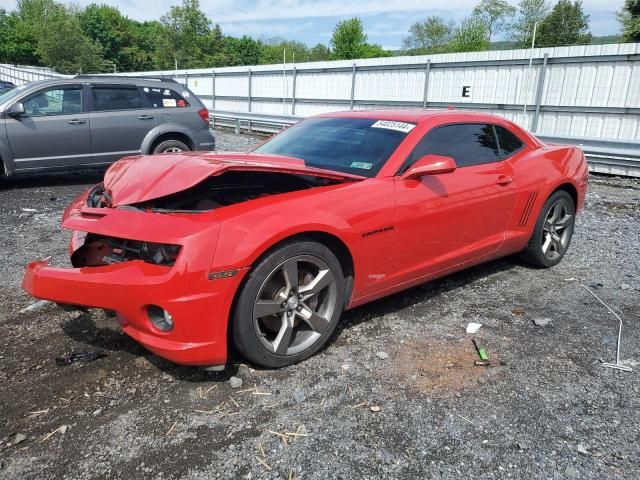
[204, 115]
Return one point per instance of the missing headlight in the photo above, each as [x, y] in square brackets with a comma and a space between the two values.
[100, 250]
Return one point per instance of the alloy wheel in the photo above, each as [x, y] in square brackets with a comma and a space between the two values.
[556, 230]
[294, 305]
[172, 150]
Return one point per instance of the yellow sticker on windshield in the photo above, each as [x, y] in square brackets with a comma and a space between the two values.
[392, 125]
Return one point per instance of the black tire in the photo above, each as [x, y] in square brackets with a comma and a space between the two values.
[252, 337]
[171, 146]
[543, 232]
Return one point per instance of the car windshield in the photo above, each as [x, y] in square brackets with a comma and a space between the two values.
[352, 145]
[8, 94]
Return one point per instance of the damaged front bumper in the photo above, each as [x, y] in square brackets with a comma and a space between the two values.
[198, 336]
[198, 305]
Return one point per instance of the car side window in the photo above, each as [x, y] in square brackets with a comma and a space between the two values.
[508, 142]
[164, 98]
[107, 98]
[467, 143]
[55, 101]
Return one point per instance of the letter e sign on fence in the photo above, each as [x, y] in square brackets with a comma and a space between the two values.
[466, 91]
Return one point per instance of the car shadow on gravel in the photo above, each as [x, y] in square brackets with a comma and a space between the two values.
[102, 332]
[423, 293]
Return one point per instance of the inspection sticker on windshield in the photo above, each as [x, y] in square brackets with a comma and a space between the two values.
[362, 165]
[391, 125]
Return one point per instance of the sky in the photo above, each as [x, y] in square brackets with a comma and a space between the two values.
[311, 21]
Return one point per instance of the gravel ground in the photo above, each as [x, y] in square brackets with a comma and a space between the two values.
[394, 395]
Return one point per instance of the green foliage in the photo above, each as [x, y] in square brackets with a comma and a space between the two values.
[348, 40]
[495, 14]
[274, 50]
[530, 12]
[629, 18]
[188, 38]
[567, 24]
[429, 36]
[319, 53]
[241, 51]
[66, 48]
[470, 36]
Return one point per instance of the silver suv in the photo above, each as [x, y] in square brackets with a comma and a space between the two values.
[92, 121]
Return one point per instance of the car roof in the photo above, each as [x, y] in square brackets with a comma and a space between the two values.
[148, 81]
[415, 115]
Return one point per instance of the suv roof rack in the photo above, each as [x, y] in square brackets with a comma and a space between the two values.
[139, 77]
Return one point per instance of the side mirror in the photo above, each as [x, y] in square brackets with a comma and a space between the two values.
[429, 165]
[16, 110]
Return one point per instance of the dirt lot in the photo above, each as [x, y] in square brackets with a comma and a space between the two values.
[551, 411]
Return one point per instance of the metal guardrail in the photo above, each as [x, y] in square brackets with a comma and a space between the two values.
[617, 157]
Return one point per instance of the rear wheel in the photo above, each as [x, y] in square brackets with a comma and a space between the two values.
[290, 305]
[553, 231]
[171, 146]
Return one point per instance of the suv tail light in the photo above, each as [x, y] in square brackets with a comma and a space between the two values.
[204, 115]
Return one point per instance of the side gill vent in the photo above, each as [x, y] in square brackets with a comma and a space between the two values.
[527, 209]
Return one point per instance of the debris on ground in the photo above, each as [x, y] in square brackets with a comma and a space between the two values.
[375, 408]
[19, 438]
[299, 396]
[35, 306]
[482, 353]
[235, 382]
[382, 355]
[82, 357]
[473, 327]
[518, 311]
[541, 322]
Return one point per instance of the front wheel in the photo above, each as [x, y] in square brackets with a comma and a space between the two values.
[289, 305]
[553, 231]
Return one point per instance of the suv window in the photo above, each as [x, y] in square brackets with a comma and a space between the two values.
[115, 98]
[468, 144]
[55, 101]
[164, 98]
[509, 143]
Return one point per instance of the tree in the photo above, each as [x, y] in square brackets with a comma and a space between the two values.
[429, 36]
[530, 12]
[348, 40]
[319, 53]
[241, 51]
[470, 36]
[629, 18]
[567, 24]
[110, 30]
[188, 37]
[274, 49]
[495, 14]
[373, 50]
[66, 48]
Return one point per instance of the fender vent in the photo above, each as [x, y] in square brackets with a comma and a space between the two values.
[527, 209]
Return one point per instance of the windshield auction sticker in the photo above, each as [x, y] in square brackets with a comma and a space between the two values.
[391, 125]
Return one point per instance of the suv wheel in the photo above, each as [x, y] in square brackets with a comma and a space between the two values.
[171, 146]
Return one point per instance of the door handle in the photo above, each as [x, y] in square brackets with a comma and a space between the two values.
[75, 121]
[504, 180]
[146, 117]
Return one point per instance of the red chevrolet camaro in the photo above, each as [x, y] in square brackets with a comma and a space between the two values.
[267, 249]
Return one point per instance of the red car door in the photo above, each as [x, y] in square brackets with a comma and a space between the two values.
[448, 219]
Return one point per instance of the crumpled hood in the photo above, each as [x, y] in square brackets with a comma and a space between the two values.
[147, 177]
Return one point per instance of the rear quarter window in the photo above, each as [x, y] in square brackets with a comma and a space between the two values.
[509, 143]
[164, 98]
